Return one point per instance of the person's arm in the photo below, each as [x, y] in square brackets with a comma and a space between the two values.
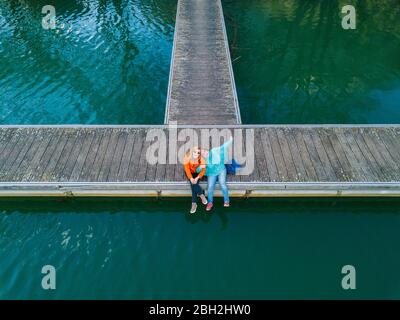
[203, 168]
[187, 169]
[222, 151]
[226, 146]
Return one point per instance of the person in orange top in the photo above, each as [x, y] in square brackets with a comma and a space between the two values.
[191, 162]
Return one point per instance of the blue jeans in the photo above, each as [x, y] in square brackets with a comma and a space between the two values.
[196, 189]
[212, 181]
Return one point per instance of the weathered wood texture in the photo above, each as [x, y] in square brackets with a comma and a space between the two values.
[118, 154]
[201, 88]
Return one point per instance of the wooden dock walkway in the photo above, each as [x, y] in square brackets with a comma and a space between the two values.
[111, 161]
[201, 85]
[295, 160]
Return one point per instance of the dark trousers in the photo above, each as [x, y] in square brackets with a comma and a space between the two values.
[196, 189]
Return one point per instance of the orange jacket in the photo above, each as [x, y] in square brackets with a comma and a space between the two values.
[191, 165]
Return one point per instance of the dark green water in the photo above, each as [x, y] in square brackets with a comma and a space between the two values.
[153, 249]
[110, 64]
[294, 63]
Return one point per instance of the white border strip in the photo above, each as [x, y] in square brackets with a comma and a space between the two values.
[181, 189]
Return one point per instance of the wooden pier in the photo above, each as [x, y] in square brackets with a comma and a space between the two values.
[111, 161]
[289, 160]
[201, 85]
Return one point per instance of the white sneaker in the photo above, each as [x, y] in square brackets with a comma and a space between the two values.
[203, 199]
[194, 208]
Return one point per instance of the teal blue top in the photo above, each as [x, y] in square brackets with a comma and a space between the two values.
[215, 162]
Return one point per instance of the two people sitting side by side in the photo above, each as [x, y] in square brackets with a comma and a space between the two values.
[212, 165]
[191, 162]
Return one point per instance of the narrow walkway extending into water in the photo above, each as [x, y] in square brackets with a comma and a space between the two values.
[201, 85]
[111, 161]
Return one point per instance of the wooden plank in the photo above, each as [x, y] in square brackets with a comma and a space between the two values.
[340, 172]
[36, 149]
[49, 172]
[293, 174]
[35, 162]
[381, 171]
[11, 145]
[331, 171]
[255, 175]
[362, 164]
[385, 153]
[142, 166]
[314, 156]
[151, 169]
[109, 155]
[170, 168]
[73, 154]
[269, 156]
[354, 162]
[9, 175]
[100, 155]
[11, 152]
[304, 154]
[343, 158]
[391, 141]
[83, 153]
[5, 138]
[179, 170]
[301, 174]
[117, 158]
[38, 171]
[378, 154]
[87, 167]
[73, 135]
[278, 156]
[126, 156]
[161, 169]
[260, 160]
[138, 149]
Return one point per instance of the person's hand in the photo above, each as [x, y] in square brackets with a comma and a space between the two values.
[202, 166]
[193, 181]
[197, 179]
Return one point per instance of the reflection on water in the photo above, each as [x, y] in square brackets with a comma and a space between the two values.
[106, 62]
[124, 248]
[294, 63]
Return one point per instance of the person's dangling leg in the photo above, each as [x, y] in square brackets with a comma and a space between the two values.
[194, 197]
[211, 181]
[199, 192]
[224, 187]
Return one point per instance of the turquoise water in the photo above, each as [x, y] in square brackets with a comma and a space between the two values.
[110, 64]
[294, 63]
[141, 249]
[107, 62]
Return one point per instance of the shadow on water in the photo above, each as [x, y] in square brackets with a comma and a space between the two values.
[182, 205]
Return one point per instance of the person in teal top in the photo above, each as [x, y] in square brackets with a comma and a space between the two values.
[215, 169]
